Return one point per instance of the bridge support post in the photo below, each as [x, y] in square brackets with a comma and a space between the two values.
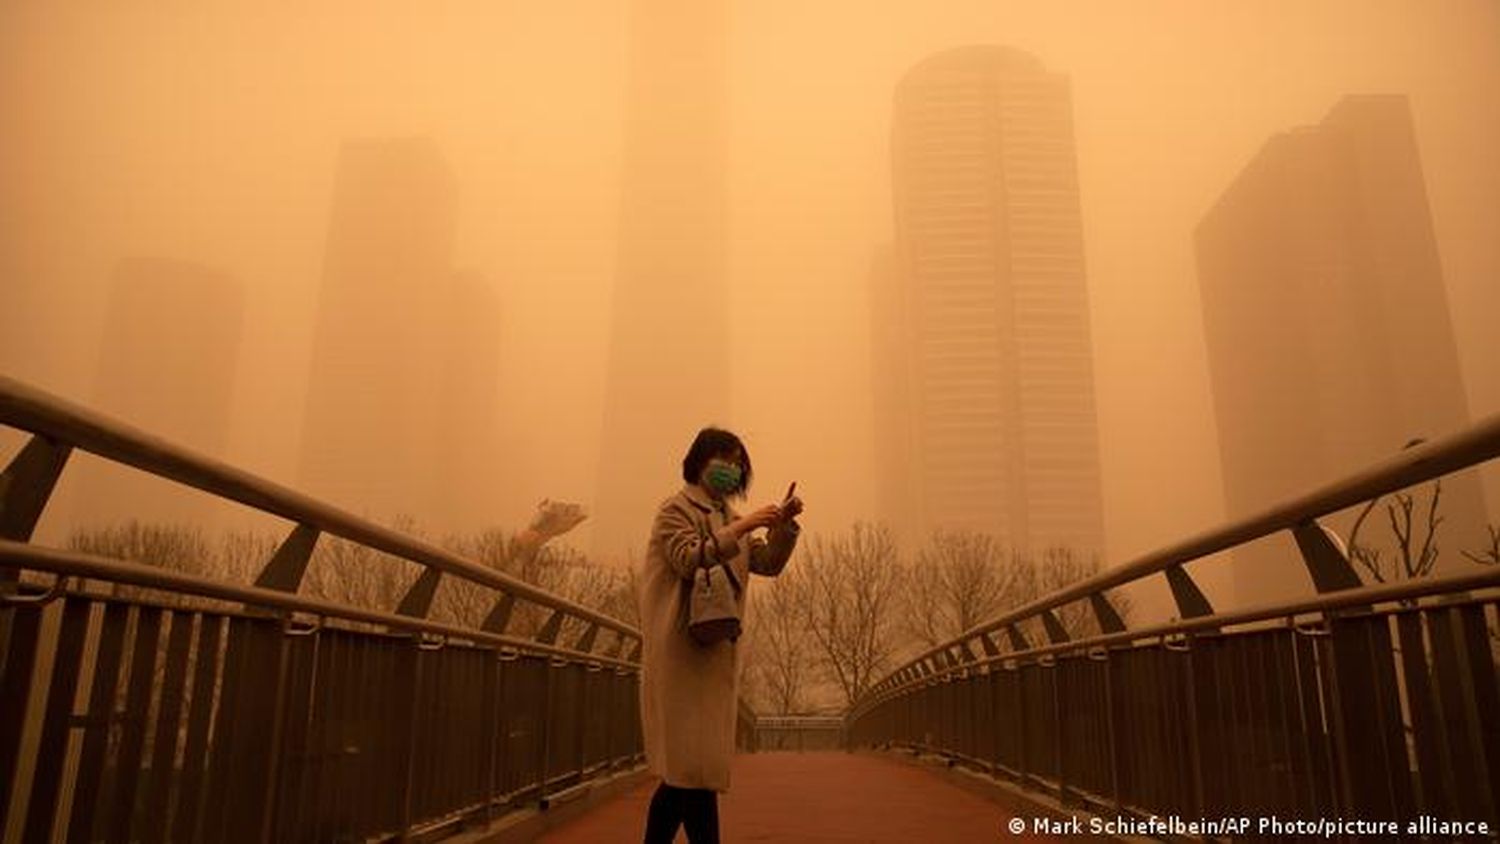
[25, 487]
[499, 616]
[27, 484]
[417, 601]
[1326, 559]
[285, 570]
[550, 628]
[1191, 602]
[1056, 635]
[1106, 614]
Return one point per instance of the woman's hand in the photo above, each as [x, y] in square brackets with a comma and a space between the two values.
[762, 518]
[791, 508]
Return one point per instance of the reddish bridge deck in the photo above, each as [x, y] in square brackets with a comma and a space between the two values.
[829, 796]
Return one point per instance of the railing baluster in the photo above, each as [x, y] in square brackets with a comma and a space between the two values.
[47, 784]
[85, 817]
[409, 715]
[187, 819]
[1433, 793]
[299, 743]
[544, 732]
[1483, 692]
[151, 823]
[15, 689]
[137, 703]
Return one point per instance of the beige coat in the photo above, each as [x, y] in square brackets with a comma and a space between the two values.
[688, 690]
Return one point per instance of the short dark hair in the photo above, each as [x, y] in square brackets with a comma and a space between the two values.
[711, 443]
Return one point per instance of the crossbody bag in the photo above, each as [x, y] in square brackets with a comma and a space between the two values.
[713, 597]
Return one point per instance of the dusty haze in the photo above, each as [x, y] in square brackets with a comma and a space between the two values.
[212, 136]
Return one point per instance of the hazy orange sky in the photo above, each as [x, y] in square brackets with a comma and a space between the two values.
[210, 132]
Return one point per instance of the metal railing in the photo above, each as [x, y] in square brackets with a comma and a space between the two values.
[276, 717]
[799, 732]
[744, 727]
[1373, 703]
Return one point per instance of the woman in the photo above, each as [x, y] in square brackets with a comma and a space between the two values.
[688, 694]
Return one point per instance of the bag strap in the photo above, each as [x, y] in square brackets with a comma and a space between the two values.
[704, 537]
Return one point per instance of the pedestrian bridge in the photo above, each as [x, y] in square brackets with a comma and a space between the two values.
[143, 703]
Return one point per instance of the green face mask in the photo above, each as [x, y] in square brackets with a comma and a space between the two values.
[722, 476]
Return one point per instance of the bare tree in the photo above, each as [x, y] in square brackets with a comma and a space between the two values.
[849, 607]
[561, 570]
[526, 556]
[958, 580]
[962, 579]
[233, 557]
[345, 572]
[1416, 563]
[781, 657]
[1488, 556]
[1415, 554]
[1368, 556]
[465, 602]
[1061, 566]
[243, 554]
[853, 584]
[567, 573]
[623, 599]
[177, 547]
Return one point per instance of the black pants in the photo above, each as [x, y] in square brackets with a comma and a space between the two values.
[695, 808]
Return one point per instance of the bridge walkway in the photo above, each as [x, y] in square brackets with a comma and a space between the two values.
[814, 797]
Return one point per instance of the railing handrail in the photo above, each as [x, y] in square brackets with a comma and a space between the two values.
[31, 409]
[1477, 443]
[1346, 599]
[79, 564]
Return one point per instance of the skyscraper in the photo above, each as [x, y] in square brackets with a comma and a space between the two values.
[987, 303]
[668, 369]
[1329, 339]
[168, 365]
[373, 437]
